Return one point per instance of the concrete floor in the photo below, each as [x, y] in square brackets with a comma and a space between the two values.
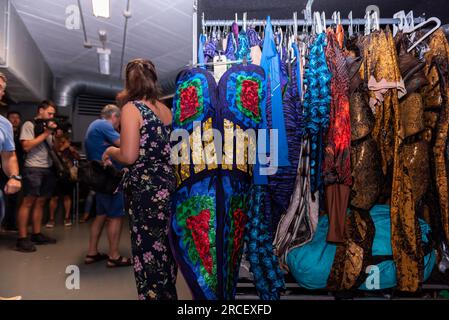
[41, 275]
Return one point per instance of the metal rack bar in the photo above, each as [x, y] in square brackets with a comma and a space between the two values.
[195, 32]
[291, 22]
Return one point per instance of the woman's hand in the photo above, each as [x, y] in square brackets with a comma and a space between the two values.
[106, 158]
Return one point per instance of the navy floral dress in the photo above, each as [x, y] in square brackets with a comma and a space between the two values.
[148, 187]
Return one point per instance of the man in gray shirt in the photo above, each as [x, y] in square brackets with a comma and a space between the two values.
[39, 178]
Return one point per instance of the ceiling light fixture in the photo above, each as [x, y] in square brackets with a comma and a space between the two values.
[100, 8]
[104, 60]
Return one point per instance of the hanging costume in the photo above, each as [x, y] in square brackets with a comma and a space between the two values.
[316, 107]
[337, 164]
[437, 116]
[282, 183]
[211, 205]
[355, 254]
[416, 149]
[297, 225]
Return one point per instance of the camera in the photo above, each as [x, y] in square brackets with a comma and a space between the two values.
[40, 125]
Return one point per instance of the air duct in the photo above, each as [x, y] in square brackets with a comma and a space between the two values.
[67, 89]
[29, 77]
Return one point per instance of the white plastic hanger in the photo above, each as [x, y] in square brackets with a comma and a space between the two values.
[323, 16]
[367, 23]
[336, 17]
[281, 40]
[295, 27]
[203, 23]
[433, 19]
[376, 24]
[409, 21]
[317, 22]
[402, 22]
[245, 15]
[372, 20]
[350, 28]
[308, 16]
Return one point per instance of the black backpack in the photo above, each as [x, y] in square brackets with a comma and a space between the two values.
[100, 178]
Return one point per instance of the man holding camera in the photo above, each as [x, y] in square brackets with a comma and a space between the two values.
[38, 177]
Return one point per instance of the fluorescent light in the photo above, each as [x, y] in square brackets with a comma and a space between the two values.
[104, 60]
[101, 8]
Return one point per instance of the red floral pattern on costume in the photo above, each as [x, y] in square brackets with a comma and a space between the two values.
[199, 225]
[240, 219]
[250, 96]
[189, 102]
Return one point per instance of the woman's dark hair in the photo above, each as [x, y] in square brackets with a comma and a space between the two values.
[140, 83]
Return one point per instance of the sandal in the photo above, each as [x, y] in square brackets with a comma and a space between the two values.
[96, 258]
[85, 218]
[115, 263]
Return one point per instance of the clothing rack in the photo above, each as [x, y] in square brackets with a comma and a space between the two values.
[291, 22]
[275, 22]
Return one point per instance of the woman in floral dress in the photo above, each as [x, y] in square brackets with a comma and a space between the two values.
[150, 181]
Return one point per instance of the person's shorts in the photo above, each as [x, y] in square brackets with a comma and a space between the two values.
[63, 188]
[110, 205]
[38, 182]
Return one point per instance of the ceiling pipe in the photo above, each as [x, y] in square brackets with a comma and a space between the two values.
[86, 44]
[127, 15]
[67, 89]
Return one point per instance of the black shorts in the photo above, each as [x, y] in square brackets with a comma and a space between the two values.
[38, 182]
[63, 188]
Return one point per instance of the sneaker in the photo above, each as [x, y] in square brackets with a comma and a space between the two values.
[12, 298]
[39, 238]
[25, 245]
[67, 223]
[50, 224]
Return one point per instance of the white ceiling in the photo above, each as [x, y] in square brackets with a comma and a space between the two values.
[158, 30]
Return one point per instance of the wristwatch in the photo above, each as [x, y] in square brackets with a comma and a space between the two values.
[16, 177]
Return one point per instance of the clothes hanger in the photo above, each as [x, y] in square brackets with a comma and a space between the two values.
[317, 23]
[368, 22]
[295, 25]
[336, 18]
[350, 28]
[203, 23]
[323, 16]
[281, 40]
[245, 15]
[372, 16]
[433, 19]
[409, 21]
[402, 22]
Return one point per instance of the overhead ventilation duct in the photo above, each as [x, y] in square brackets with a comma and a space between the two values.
[29, 77]
[67, 89]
